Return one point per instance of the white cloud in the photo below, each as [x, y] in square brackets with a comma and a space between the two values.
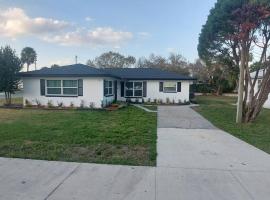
[14, 22]
[144, 34]
[97, 37]
[89, 19]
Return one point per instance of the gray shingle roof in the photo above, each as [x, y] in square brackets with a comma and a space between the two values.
[76, 70]
[80, 70]
[145, 73]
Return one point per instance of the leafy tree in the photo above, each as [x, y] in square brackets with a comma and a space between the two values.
[174, 63]
[232, 30]
[112, 60]
[28, 56]
[10, 65]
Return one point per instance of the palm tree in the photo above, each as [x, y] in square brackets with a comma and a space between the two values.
[28, 56]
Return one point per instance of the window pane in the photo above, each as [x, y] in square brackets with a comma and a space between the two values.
[106, 91]
[138, 93]
[70, 83]
[129, 85]
[53, 83]
[110, 83]
[53, 91]
[70, 91]
[169, 86]
[106, 83]
[110, 90]
[129, 93]
[137, 85]
[169, 89]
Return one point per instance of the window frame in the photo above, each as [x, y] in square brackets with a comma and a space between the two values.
[108, 87]
[133, 89]
[61, 88]
[164, 83]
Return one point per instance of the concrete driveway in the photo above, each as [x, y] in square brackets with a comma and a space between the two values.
[195, 161]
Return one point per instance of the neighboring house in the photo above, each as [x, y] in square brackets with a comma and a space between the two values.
[258, 85]
[82, 85]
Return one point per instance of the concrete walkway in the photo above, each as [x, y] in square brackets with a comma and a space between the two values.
[198, 161]
[195, 161]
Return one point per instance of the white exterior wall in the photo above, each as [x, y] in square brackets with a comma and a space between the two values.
[92, 92]
[154, 93]
[267, 103]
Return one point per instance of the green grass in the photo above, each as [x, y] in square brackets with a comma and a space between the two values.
[127, 136]
[221, 112]
[13, 101]
[150, 107]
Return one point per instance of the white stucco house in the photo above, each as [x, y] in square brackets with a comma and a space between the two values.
[80, 84]
[258, 85]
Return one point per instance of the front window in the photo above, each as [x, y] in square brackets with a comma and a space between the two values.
[108, 88]
[70, 87]
[134, 89]
[54, 87]
[62, 87]
[169, 87]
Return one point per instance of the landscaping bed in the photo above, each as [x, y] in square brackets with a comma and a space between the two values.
[126, 136]
[221, 111]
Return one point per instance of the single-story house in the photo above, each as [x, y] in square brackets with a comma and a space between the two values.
[258, 85]
[81, 85]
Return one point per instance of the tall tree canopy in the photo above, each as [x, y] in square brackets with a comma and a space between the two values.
[236, 32]
[175, 63]
[112, 60]
[10, 65]
[28, 56]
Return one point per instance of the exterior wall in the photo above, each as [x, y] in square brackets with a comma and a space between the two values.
[267, 103]
[92, 92]
[154, 93]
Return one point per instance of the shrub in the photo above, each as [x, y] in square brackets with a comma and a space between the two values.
[60, 104]
[92, 105]
[82, 104]
[28, 103]
[179, 101]
[155, 101]
[142, 100]
[168, 100]
[173, 101]
[149, 100]
[38, 103]
[50, 104]
[71, 105]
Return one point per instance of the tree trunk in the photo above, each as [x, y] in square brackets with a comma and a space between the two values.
[8, 98]
[27, 67]
[239, 115]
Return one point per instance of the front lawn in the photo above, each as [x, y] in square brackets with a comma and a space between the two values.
[150, 107]
[221, 112]
[127, 136]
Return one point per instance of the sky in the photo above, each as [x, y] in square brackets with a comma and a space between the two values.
[59, 30]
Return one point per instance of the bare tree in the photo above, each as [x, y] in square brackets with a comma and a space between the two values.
[112, 60]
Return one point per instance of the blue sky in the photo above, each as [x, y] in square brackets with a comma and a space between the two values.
[59, 30]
